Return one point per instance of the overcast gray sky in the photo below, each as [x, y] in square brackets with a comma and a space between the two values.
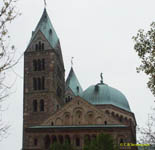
[98, 34]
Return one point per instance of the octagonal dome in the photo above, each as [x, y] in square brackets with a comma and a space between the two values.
[101, 94]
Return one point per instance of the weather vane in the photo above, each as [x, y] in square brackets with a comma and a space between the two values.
[45, 3]
[101, 75]
[72, 61]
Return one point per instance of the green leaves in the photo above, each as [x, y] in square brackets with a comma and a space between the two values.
[64, 146]
[145, 48]
[101, 142]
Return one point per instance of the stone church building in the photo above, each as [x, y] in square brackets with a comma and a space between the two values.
[59, 110]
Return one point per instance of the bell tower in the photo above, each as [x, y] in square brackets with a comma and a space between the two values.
[44, 82]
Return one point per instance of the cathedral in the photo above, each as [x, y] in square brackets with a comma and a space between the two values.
[56, 110]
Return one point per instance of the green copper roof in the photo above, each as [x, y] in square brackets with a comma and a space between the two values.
[45, 26]
[103, 94]
[73, 83]
[80, 126]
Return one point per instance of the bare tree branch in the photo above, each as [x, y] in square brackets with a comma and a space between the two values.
[8, 12]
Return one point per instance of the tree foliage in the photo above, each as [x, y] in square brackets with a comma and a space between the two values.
[147, 133]
[8, 12]
[101, 142]
[64, 146]
[145, 48]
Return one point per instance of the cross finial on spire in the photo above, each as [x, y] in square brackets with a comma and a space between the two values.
[101, 75]
[72, 61]
[45, 3]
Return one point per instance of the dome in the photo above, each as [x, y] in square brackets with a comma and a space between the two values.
[101, 93]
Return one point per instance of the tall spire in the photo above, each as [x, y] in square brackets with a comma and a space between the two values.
[45, 26]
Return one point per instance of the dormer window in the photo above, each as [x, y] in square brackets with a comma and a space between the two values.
[77, 89]
[96, 88]
[50, 31]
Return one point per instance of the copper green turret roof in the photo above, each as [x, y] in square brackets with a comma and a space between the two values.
[73, 83]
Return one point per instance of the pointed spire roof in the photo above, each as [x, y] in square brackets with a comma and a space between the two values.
[73, 83]
[46, 27]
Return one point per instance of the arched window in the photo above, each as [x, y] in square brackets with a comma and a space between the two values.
[69, 98]
[66, 99]
[61, 139]
[42, 46]
[47, 142]
[34, 65]
[67, 119]
[35, 142]
[39, 65]
[52, 123]
[107, 111]
[39, 45]
[105, 122]
[78, 114]
[36, 47]
[39, 84]
[59, 72]
[121, 119]
[54, 139]
[121, 141]
[34, 84]
[67, 139]
[77, 141]
[43, 64]
[35, 105]
[59, 91]
[57, 107]
[41, 105]
[87, 139]
[43, 83]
